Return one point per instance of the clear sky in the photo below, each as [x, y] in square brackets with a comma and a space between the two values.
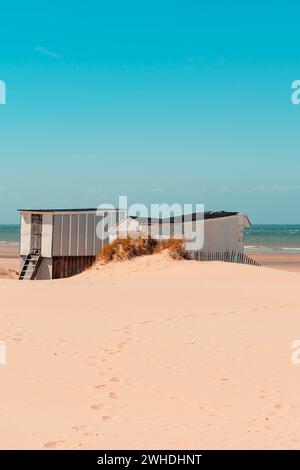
[165, 101]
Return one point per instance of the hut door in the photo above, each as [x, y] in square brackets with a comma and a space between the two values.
[36, 233]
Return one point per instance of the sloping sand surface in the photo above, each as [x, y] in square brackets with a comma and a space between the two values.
[151, 353]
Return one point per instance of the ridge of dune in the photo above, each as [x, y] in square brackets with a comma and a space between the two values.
[151, 353]
[153, 265]
[134, 266]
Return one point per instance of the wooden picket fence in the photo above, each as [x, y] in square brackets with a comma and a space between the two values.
[226, 256]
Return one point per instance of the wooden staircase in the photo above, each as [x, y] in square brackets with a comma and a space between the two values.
[30, 267]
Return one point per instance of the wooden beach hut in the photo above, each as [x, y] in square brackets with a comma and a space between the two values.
[60, 243]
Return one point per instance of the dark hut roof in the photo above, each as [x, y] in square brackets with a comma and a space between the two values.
[65, 210]
[187, 218]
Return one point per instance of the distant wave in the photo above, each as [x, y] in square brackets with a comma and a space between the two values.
[7, 242]
[272, 248]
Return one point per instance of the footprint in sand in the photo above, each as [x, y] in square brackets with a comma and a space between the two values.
[96, 407]
[106, 418]
[53, 444]
[127, 327]
[113, 395]
[79, 427]
[114, 379]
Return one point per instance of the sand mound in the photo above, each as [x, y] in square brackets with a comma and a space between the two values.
[128, 268]
[151, 353]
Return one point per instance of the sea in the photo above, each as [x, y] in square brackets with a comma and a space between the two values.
[272, 239]
[9, 234]
[258, 238]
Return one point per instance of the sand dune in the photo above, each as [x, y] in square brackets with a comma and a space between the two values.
[151, 353]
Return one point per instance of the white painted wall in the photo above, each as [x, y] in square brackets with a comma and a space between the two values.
[25, 236]
[224, 234]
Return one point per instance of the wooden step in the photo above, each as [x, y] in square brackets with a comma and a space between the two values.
[30, 267]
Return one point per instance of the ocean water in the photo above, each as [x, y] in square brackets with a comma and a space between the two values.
[9, 234]
[273, 238]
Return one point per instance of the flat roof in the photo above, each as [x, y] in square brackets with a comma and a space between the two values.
[67, 210]
[148, 220]
[187, 217]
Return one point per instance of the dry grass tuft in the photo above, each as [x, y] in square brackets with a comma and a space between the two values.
[174, 246]
[128, 248]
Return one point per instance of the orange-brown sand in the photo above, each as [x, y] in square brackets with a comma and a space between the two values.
[284, 261]
[151, 353]
[9, 251]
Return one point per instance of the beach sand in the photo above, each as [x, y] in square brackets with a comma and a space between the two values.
[9, 261]
[284, 261]
[9, 251]
[151, 354]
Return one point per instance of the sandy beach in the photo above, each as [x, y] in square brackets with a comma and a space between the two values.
[152, 353]
[285, 261]
[9, 251]
[9, 261]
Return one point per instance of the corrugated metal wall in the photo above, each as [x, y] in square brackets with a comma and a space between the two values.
[82, 234]
[224, 234]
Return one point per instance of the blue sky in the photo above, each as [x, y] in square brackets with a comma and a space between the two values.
[165, 101]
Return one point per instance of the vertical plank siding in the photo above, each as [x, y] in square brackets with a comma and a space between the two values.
[67, 266]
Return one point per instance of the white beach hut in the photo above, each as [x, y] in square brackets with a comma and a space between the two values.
[60, 243]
